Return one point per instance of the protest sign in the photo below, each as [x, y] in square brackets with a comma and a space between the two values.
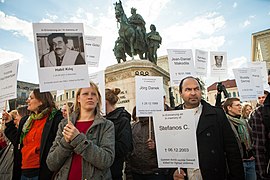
[218, 63]
[8, 80]
[99, 79]
[149, 95]
[201, 59]
[245, 85]
[257, 80]
[261, 65]
[92, 50]
[60, 58]
[181, 65]
[176, 142]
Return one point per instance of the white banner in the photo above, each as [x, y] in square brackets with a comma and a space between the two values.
[176, 141]
[181, 65]
[149, 95]
[8, 80]
[92, 50]
[60, 57]
[99, 79]
[218, 62]
[245, 85]
[201, 59]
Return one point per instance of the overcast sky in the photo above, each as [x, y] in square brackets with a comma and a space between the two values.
[207, 25]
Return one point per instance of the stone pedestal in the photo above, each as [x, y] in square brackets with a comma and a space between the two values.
[123, 76]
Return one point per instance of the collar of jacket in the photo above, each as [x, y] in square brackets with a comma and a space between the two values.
[115, 113]
[237, 116]
[98, 119]
[205, 105]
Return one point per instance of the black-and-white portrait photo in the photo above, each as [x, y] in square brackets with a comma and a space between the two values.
[60, 49]
[218, 61]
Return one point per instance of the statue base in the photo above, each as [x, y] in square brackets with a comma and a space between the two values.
[123, 76]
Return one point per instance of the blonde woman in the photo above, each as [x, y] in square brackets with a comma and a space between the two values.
[84, 147]
[246, 110]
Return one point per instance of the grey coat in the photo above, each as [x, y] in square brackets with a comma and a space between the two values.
[96, 148]
[6, 162]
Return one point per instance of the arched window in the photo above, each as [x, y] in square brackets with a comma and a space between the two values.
[73, 94]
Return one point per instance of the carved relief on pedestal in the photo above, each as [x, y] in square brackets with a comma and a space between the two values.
[111, 77]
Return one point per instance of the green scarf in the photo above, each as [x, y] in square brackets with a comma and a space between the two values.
[29, 122]
[242, 129]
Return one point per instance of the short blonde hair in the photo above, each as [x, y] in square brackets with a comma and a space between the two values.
[78, 105]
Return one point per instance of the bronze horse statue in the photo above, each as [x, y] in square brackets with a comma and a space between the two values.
[128, 33]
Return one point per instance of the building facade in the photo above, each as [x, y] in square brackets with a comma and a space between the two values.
[260, 48]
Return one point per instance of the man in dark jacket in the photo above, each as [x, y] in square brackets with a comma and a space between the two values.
[260, 124]
[219, 154]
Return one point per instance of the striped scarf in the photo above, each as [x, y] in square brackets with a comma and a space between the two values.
[242, 129]
[29, 122]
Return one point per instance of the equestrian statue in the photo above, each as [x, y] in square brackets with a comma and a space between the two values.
[133, 39]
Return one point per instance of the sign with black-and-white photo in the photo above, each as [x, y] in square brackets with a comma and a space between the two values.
[218, 62]
[60, 56]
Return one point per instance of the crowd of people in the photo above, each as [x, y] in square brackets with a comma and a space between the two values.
[77, 141]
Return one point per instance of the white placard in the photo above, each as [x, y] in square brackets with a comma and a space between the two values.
[245, 85]
[92, 50]
[149, 95]
[176, 141]
[8, 80]
[257, 79]
[201, 59]
[99, 79]
[181, 65]
[60, 58]
[218, 62]
[262, 66]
